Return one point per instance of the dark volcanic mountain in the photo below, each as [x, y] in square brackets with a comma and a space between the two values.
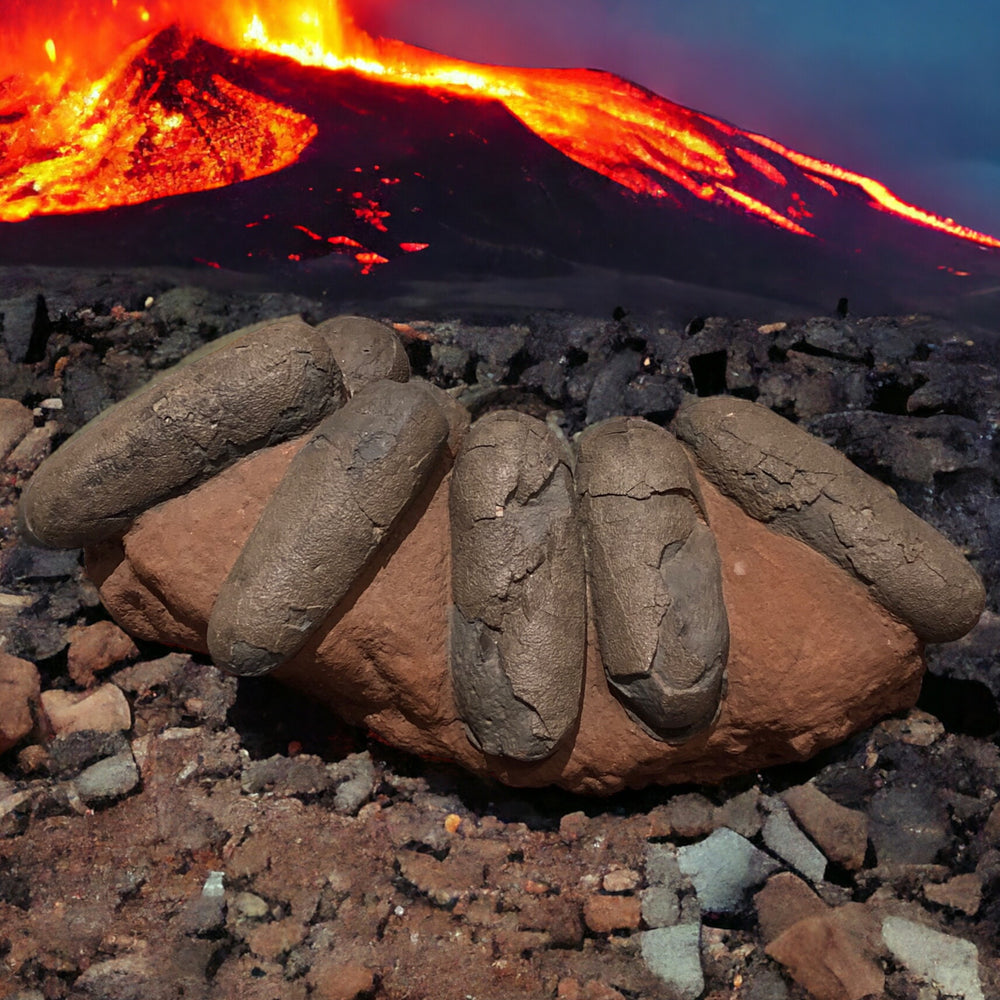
[406, 188]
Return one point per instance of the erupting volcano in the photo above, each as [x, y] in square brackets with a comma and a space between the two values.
[375, 136]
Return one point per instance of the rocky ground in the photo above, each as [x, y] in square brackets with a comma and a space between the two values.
[169, 833]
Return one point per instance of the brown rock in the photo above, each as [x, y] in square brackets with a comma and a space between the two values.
[19, 688]
[272, 940]
[605, 914]
[105, 710]
[93, 648]
[15, 421]
[332, 980]
[812, 657]
[963, 892]
[841, 833]
[823, 955]
[784, 901]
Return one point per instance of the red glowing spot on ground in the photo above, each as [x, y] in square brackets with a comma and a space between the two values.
[413, 247]
[373, 214]
[208, 263]
[771, 172]
[295, 256]
[343, 241]
[309, 233]
[370, 260]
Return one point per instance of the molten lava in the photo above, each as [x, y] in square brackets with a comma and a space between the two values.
[75, 137]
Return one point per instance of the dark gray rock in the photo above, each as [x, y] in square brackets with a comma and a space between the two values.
[909, 825]
[108, 779]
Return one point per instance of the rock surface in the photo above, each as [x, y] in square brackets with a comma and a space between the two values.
[812, 658]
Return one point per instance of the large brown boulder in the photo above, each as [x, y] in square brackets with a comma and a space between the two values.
[812, 656]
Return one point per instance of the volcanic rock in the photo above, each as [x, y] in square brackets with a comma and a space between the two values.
[812, 657]
[841, 833]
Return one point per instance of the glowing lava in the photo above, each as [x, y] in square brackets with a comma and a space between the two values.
[72, 140]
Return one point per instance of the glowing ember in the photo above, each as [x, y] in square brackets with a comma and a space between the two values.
[73, 139]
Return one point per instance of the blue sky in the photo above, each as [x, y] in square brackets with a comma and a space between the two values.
[907, 91]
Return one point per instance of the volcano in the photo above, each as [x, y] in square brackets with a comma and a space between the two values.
[391, 167]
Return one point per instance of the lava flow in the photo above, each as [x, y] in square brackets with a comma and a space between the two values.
[80, 138]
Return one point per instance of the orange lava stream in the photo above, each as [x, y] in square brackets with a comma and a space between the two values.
[69, 143]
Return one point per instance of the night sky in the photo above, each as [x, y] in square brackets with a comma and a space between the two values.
[907, 91]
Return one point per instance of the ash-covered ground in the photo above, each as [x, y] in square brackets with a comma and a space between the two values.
[235, 841]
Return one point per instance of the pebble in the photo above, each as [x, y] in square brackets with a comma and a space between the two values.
[93, 648]
[250, 907]
[104, 709]
[661, 906]
[963, 892]
[783, 837]
[68, 755]
[605, 914]
[355, 775]
[950, 963]
[674, 955]
[908, 825]
[841, 833]
[303, 775]
[741, 814]
[724, 867]
[620, 880]
[206, 913]
[784, 901]
[110, 778]
[15, 421]
[19, 691]
[823, 955]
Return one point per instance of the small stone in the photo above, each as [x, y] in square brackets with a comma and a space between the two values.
[19, 691]
[741, 814]
[908, 824]
[93, 648]
[605, 914]
[724, 868]
[32, 448]
[674, 954]
[825, 958]
[355, 775]
[784, 901]
[110, 778]
[130, 977]
[557, 916]
[572, 827]
[70, 754]
[918, 728]
[963, 892]
[841, 833]
[661, 906]
[950, 963]
[271, 941]
[15, 421]
[791, 845]
[302, 775]
[250, 907]
[661, 866]
[34, 759]
[104, 709]
[206, 913]
[334, 981]
[688, 816]
[620, 880]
